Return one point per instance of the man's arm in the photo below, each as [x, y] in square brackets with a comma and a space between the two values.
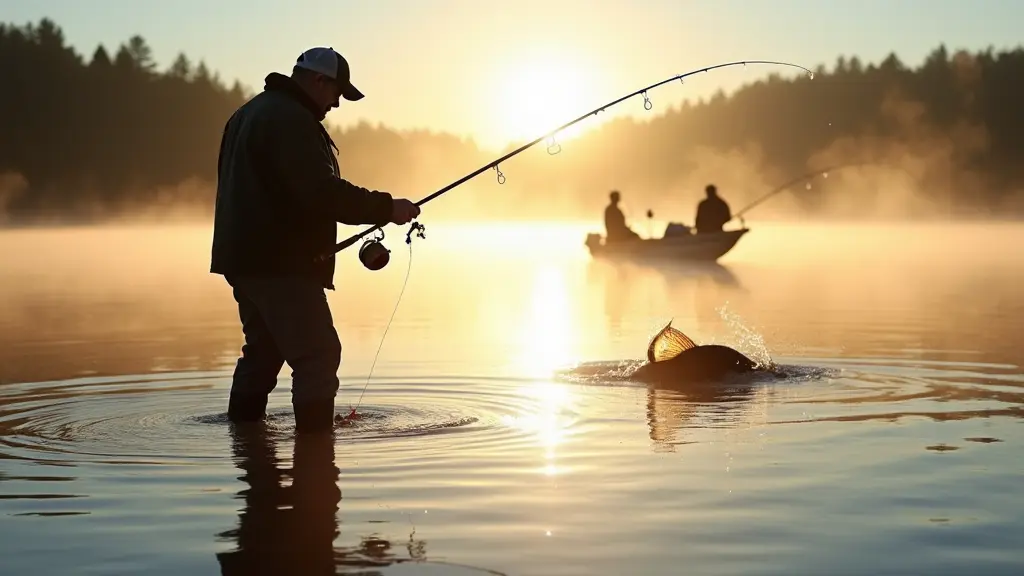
[306, 169]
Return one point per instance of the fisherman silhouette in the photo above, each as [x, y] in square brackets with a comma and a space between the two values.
[712, 212]
[615, 222]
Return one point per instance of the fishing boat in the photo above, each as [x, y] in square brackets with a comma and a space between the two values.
[684, 247]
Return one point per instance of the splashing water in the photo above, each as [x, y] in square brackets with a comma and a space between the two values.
[749, 341]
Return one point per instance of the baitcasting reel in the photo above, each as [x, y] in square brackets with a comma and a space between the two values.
[375, 256]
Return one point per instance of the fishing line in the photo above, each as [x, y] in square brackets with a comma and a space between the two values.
[808, 176]
[419, 228]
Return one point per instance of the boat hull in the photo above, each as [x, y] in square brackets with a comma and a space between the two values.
[707, 247]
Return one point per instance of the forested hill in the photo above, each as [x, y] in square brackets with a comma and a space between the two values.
[110, 134]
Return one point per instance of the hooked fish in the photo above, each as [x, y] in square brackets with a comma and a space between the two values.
[673, 358]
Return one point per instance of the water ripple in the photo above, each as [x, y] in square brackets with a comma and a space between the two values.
[171, 418]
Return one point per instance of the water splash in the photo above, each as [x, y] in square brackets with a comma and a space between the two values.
[599, 373]
[749, 341]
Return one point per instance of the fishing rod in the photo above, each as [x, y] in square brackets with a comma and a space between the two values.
[809, 175]
[375, 256]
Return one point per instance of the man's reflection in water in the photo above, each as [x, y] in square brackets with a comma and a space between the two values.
[289, 522]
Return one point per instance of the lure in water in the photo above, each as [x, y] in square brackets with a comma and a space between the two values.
[343, 420]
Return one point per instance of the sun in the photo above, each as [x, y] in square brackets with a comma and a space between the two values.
[540, 93]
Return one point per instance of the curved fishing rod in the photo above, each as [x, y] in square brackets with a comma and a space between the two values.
[501, 177]
[783, 187]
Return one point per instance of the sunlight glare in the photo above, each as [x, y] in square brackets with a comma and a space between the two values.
[548, 340]
[549, 423]
[540, 93]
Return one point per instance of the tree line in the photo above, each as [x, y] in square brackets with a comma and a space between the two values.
[111, 135]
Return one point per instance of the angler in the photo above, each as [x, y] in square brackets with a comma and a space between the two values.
[280, 196]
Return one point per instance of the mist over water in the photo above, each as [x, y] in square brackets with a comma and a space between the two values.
[494, 433]
[938, 139]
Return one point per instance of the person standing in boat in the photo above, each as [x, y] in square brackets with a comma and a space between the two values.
[615, 226]
[712, 212]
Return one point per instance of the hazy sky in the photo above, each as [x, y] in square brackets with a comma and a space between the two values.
[499, 70]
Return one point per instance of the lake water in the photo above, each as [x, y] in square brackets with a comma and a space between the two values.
[893, 449]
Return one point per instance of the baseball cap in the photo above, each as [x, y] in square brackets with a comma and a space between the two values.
[333, 65]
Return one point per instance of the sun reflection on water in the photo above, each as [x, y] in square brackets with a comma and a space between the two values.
[550, 421]
[547, 339]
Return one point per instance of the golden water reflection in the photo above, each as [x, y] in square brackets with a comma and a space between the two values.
[549, 333]
[554, 406]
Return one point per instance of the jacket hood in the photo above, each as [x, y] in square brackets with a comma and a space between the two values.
[277, 82]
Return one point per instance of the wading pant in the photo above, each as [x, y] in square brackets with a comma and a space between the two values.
[285, 320]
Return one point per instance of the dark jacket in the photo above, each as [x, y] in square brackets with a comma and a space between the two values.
[279, 190]
[712, 214]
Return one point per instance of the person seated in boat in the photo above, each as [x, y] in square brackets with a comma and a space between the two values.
[615, 226]
[712, 212]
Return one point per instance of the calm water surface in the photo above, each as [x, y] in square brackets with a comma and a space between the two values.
[495, 437]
